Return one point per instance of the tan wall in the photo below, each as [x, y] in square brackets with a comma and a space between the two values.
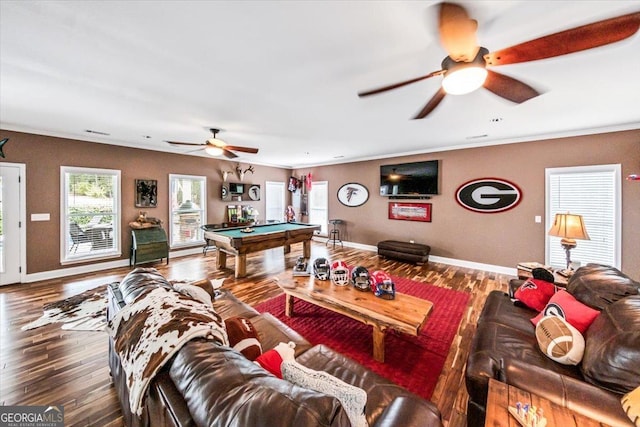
[497, 239]
[43, 157]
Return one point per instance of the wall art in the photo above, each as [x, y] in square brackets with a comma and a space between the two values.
[146, 193]
[353, 194]
[410, 211]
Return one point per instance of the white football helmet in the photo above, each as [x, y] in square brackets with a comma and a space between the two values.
[340, 273]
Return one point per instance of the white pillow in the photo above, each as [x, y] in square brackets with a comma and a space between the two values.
[352, 398]
[559, 340]
[195, 292]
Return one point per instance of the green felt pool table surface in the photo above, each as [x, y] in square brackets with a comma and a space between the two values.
[237, 233]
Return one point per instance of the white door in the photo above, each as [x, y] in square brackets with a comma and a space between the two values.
[10, 250]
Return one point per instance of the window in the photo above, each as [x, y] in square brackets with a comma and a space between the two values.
[187, 210]
[319, 205]
[593, 192]
[274, 199]
[90, 217]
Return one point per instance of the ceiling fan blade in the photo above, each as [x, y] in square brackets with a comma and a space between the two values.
[397, 85]
[509, 88]
[185, 143]
[228, 154]
[574, 40]
[432, 104]
[458, 32]
[242, 149]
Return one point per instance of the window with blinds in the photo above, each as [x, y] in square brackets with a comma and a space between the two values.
[319, 205]
[274, 201]
[593, 192]
[90, 220]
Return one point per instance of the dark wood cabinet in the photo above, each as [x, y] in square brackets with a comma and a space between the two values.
[148, 244]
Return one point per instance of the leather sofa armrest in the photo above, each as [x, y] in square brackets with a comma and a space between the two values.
[574, 394]
[408, 411]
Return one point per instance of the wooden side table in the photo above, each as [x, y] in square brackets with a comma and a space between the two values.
[502, 395]
[559, 279]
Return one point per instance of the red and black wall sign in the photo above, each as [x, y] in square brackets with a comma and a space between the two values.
[488, 195]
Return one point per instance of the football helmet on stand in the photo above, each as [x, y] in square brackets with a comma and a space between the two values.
[321, 269]
[339, 273]
[382, 286]
[361, 279]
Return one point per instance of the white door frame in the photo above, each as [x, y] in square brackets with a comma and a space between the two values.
[22, 212]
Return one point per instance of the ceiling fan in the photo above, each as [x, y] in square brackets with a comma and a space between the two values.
[465, 67]
[216, 147]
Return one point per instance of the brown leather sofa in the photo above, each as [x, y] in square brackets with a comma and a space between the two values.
[206, 384]
[504, 347]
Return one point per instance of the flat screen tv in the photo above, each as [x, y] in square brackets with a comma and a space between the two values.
[417, 179]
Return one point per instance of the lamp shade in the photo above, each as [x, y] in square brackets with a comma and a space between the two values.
[569, 226]
[464, 80]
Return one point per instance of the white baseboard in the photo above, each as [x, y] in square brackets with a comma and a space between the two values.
[91, 268]
[509, 271]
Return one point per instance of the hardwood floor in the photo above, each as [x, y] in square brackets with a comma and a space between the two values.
[48, 365]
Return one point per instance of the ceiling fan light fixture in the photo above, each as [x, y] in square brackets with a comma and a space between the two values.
[213, 151]
[464, 80]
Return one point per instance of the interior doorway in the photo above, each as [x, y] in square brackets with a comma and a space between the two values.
[12, 248]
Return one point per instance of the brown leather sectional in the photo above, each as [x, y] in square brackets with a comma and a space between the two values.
[206, 384]
[504, 347]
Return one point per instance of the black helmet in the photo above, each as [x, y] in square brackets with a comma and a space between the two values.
[361, 279]
[321, 268]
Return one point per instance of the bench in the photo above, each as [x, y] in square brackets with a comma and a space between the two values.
[404, 251]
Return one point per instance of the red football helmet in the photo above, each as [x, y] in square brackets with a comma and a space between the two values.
[382, 286]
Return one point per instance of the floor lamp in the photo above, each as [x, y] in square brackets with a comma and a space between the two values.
[569, 227]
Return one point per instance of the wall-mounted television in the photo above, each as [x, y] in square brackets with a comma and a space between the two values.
[235, 188]
[409, 180]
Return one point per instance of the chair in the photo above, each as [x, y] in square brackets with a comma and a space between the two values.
[334, 234]
[77, 236]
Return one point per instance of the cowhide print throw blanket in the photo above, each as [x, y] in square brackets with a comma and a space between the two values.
[151, 329]
[83, 312]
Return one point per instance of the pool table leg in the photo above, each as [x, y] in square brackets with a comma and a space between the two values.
[306, 248]
[241, 265]
[287, 249]
[221, 260]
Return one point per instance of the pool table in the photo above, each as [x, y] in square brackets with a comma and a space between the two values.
[238, 242]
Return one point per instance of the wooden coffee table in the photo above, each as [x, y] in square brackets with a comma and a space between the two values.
[405, 313]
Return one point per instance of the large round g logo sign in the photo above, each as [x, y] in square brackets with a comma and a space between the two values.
[488, 195]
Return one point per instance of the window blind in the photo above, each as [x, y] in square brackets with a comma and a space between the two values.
[594, 193]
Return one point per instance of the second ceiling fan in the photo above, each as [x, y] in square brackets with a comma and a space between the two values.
[216, 147]
[465, 67]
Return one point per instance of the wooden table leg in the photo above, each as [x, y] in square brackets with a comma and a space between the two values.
[287, 249]
[306, 248]
[241, 265]
[288, 305]
[378, 344]
[221, 260]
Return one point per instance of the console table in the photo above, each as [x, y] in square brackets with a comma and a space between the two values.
[148, 244]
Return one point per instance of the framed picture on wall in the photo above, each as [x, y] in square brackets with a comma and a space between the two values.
[353, 194]
[146, 193]
[410, 211]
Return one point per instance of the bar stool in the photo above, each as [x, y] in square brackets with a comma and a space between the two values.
[334, 234]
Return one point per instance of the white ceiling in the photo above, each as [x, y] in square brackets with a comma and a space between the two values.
[283, 76]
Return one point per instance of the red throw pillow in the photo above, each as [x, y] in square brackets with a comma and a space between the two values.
[564, 305]
[535, 293]
[243, 337]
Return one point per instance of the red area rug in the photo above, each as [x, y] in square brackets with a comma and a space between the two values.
[412, 362]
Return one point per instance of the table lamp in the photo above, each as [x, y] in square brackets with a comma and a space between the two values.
[569, 227]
